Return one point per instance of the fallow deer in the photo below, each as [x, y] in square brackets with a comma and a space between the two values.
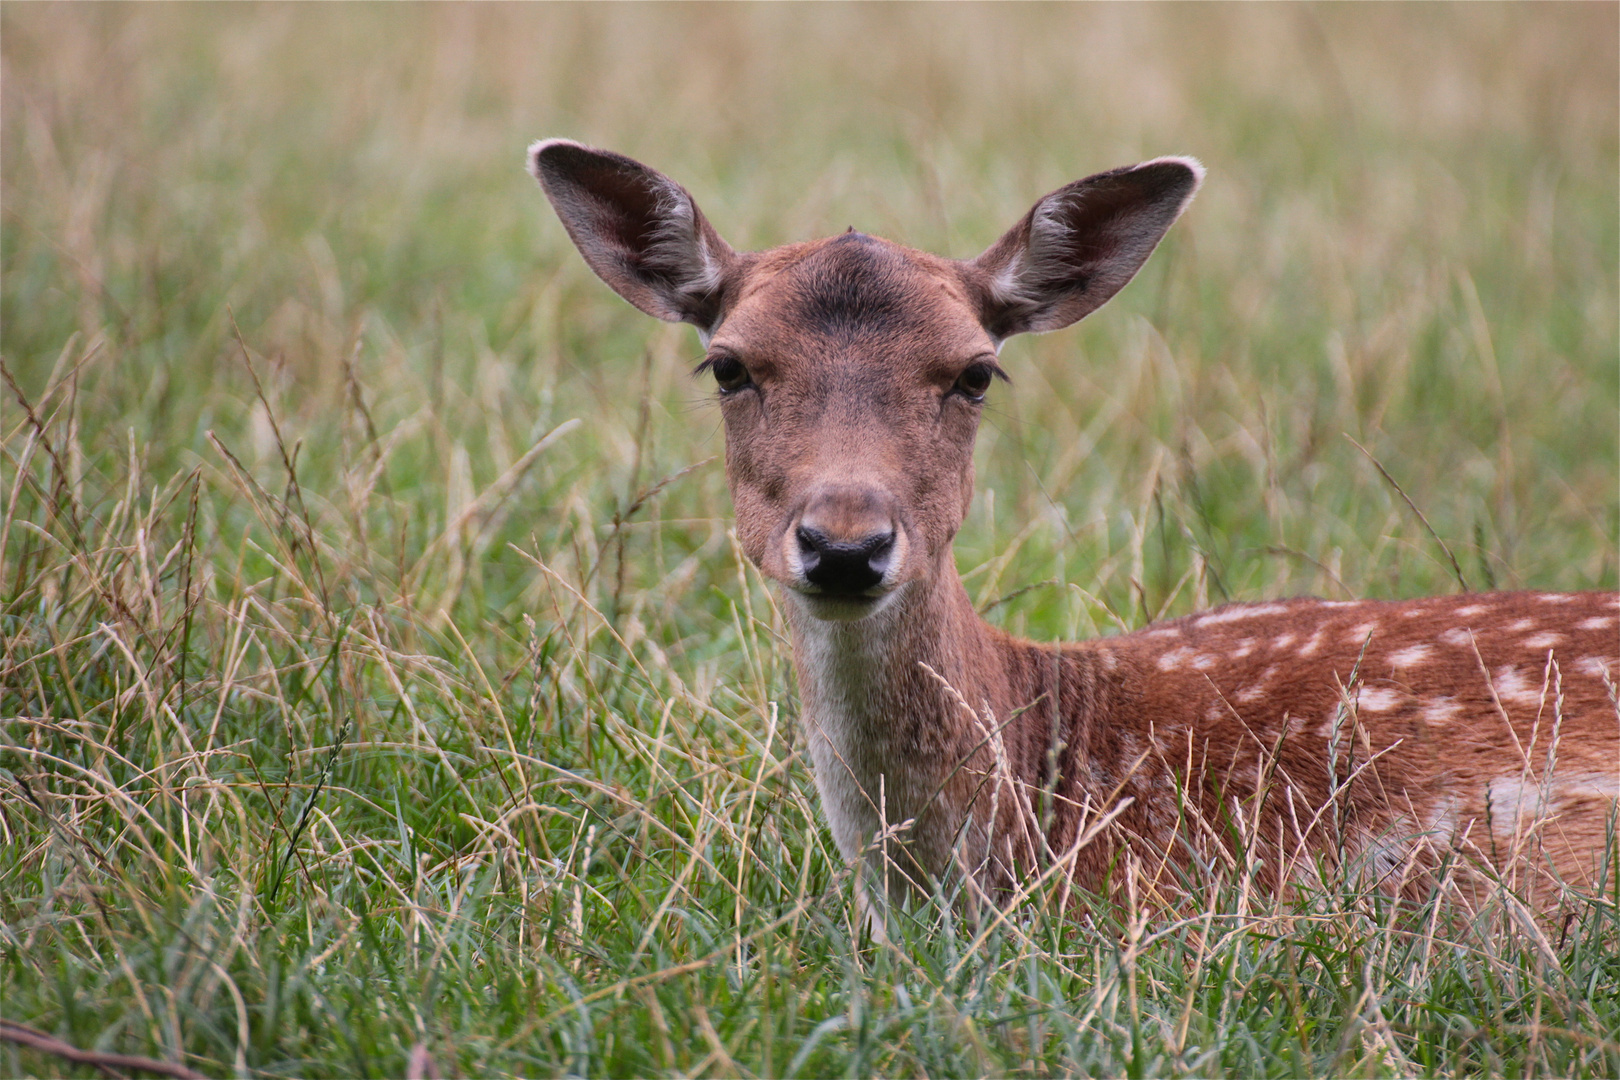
[1382, 738]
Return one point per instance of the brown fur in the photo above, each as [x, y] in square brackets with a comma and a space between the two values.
[1381, 740]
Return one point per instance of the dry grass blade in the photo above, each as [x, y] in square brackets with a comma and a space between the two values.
[1455, 568]
[111, 1064]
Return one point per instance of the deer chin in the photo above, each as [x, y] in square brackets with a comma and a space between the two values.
[843, 607]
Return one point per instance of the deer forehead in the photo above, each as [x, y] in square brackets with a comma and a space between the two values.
[852, 300]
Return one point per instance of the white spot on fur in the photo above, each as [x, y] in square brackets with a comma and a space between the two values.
[1439, 710]
[1514, 797]
[1163, 632]
[1282, 641]
[1333, 725]
[1174, 658]
[1588, 786]
[1360, 634]
[1596, 622]
[1377, 699]
[1411, 656]
[1245, 611]
[1443, 817]
[1519, 626]
[1252, 694]
[1311, 646]
[1595, 666]
[1470, 610]
[1339, 603]
[1544, 640]
[1555, 598]
[1244, 648]
[1512, 686]
[1204, 661]
[1457, 637]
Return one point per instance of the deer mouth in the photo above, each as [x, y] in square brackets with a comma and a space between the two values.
[842, 607]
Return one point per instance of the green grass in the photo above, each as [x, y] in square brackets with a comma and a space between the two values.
[379, 671]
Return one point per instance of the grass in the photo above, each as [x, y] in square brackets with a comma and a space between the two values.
[380, 675]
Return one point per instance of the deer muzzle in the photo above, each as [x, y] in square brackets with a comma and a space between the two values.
[846, 546]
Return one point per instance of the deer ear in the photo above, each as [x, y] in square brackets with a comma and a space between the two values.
[638, 229]
[1079, 245]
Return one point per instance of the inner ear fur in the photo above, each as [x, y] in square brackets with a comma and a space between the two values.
[639, 230]
[1080, 245]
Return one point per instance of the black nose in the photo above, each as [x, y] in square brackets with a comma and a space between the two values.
[844, 569]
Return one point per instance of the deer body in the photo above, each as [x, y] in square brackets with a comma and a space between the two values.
[1385, 734]
[1388, 738]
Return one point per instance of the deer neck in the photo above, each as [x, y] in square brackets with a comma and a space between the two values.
[888, 708]
[885, 673]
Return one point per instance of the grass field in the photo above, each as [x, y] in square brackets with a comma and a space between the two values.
[380, 676]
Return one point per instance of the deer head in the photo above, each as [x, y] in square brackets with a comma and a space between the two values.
[852, 371]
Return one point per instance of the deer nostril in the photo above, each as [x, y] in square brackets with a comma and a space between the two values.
[878, 550]
[810, 544]
[844, 567]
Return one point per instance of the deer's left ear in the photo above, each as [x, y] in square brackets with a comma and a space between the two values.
[639, 230]
[1079, 245]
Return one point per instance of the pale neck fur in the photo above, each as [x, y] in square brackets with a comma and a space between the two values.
[885, 736]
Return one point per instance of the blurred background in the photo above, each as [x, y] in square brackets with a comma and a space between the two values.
[1408, 236]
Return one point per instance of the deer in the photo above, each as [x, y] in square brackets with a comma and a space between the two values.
[1471, 739]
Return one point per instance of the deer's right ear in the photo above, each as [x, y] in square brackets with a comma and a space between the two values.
[638, 229]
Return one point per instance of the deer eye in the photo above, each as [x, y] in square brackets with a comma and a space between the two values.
[974, 381]
[729, 373]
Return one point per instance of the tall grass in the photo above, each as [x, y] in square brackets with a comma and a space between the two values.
[380, 674]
